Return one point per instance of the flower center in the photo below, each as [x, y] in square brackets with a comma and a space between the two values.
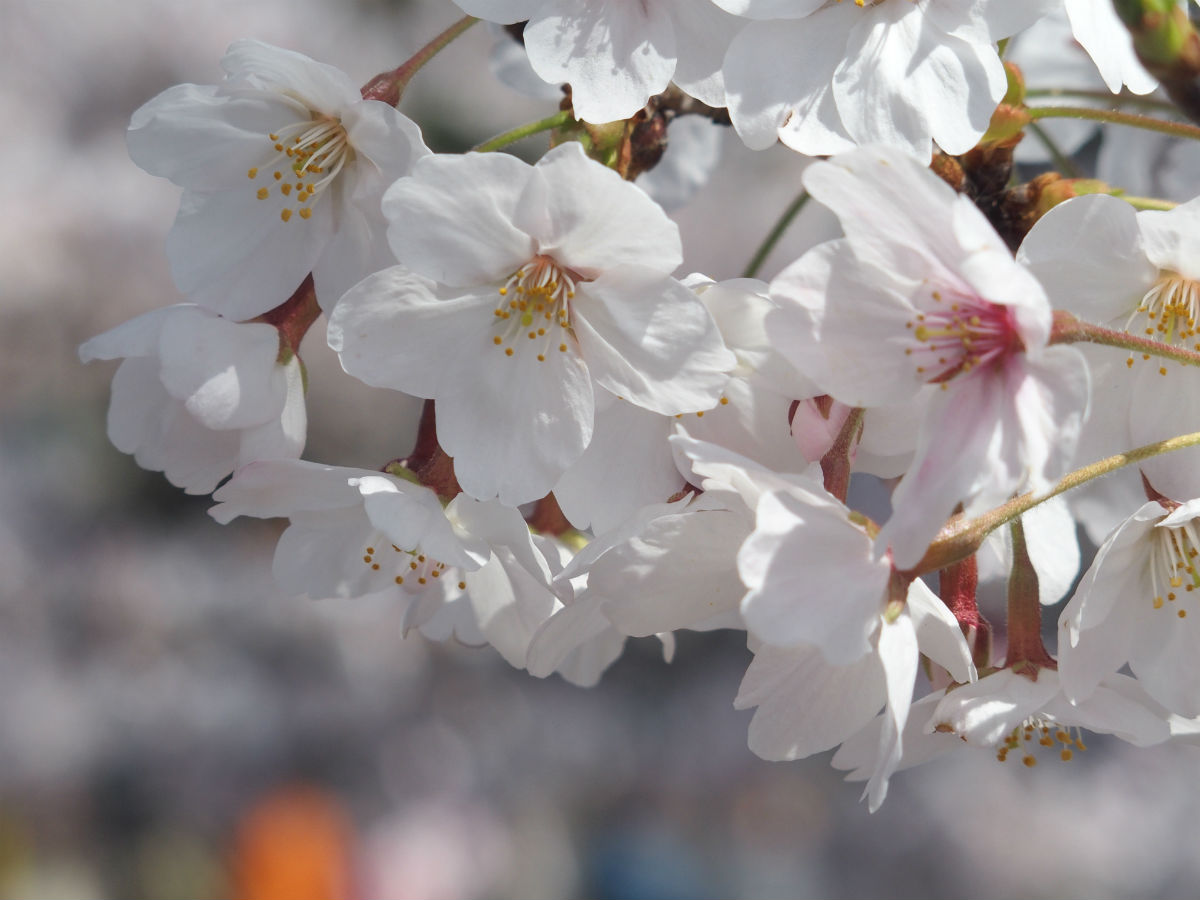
[535, 311]
[1172, 565]
[954, 335]
[1046, 733]
[308, 157]
[1171, 308]
[409, 569]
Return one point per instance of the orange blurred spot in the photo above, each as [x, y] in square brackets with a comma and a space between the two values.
[293, 844]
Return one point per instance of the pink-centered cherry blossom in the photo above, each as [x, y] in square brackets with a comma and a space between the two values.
[922, 291]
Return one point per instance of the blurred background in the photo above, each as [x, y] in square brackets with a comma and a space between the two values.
[171, 726]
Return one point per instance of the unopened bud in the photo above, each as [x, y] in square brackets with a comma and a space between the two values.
[1049, 190]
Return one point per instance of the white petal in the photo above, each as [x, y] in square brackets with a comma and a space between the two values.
[452, 219]
[627, 464]
[614, 54]
[275, 488]
[282, 437]
[777, 81]
[224, 372]
[798, 560]
[649, 339]
[137, 337]
[677, 572]
[938, 633]
[898, 653]
[506, 12]
[1088, 255]
[203, 139]
[232, 253]
[588, 218]
[805, 704]
[319, 86]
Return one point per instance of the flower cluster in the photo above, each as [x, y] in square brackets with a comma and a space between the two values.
[614, 448]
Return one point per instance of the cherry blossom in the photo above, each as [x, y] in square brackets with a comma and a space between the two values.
[616, 55]
[1136, 604]
[355, 532]
[1137, 272]
[282, 166]
[522, 290]
[807, 703]
[822, 76]
[905, 301]
[1010, 711]
[197, 396]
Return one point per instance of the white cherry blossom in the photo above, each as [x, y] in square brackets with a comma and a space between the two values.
[197, 396]
[282, 164]
[1137, 604]
[807, 703]
[1011, 712]
[1138, 272]
[355, 532]
[922, 291]
[616, 55]
[522, 291]
[823, 76]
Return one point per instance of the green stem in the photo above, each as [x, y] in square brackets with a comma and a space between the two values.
[1147, 202]
[389, 86]
[1175, 129]
[1061, 161]
[962, 537]
[1105, 97]
[1069, 330]
[523, 131]
[772, 238]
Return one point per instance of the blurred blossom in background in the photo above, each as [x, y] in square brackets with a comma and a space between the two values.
[172, 727]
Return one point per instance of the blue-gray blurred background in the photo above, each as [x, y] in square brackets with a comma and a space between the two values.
[171, 726]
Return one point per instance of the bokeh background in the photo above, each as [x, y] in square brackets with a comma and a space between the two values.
[172, 726]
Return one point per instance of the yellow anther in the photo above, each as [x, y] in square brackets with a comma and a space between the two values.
[285, 214]
[252, 173]
[262, 193]
[306, 212]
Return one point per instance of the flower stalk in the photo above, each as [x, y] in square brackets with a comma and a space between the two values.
[1115, 117]
[557, 120]
[1068, 329]
[962, 537]
[1026, 653]
[389, 86]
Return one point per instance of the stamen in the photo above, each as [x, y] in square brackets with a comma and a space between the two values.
[541, 287]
